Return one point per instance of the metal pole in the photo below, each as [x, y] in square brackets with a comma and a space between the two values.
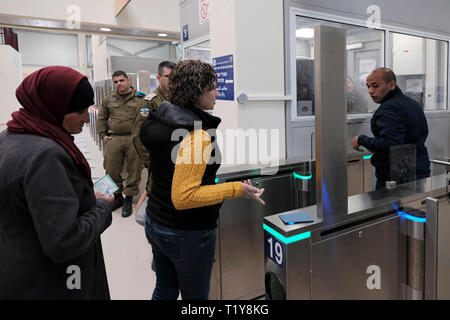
[331, 122]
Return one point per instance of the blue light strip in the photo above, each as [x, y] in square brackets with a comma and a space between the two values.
[368, 157]
[408, 216]
[288, 240]
[216, 180]
[411, 217]
[299, 176]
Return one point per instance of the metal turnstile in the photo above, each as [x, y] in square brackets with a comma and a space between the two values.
[385, 248]
[350, 261]
[413, 255]
[437, 249]
[238, 271]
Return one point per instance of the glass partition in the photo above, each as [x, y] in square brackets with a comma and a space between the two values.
[420, 65]
[440, 176]
[199, 51]
[365, 52]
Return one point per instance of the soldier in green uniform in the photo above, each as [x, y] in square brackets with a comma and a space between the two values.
[156, 98]
[114, 125]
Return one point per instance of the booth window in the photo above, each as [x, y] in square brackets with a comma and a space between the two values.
[365, 52]
[200, 51]
[420, 65]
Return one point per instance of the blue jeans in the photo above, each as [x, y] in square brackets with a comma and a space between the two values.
[183, 260]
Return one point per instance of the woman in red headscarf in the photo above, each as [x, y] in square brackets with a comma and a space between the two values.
[50, 217]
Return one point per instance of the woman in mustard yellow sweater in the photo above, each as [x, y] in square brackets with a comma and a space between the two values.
[184, 201]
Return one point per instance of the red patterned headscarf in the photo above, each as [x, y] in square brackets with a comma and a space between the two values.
[45, 97]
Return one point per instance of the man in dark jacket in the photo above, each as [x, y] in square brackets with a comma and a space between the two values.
[398, 120]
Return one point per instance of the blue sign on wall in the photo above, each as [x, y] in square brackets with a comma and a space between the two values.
[225, 77]
[185, 32]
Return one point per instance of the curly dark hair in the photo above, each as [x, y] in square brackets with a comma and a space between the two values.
[188, 80]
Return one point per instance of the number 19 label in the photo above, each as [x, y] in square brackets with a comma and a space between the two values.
[274, 250]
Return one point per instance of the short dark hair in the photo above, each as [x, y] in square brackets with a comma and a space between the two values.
[386, 74]
[165, 64]
[188, 80]
[389, 75]
[119, 73]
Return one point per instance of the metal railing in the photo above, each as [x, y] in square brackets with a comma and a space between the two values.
[93, 115]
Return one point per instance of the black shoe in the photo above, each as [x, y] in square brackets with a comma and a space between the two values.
[118, 202]
[127, 208]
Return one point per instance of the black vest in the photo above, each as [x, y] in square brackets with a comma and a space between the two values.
[168, 123]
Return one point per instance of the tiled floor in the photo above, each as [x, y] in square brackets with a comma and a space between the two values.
[126, 250]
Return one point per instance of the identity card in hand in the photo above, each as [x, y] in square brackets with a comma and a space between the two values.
[106, 186]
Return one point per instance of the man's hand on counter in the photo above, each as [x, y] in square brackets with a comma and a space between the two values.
[355, 144]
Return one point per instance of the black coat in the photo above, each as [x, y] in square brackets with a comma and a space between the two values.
[398, 120]
[161, 134]
[50, 224]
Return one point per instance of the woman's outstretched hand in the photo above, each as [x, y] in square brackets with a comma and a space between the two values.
[251, 192]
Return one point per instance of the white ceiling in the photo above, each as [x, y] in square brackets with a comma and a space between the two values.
[61, 25]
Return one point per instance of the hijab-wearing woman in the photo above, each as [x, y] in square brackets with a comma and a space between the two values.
[184, 201]
[50, 218]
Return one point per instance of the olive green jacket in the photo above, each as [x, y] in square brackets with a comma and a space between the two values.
[116, 113]
[153, 100]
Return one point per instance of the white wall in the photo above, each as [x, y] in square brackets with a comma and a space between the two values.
[10, 78]
[82, 57]
[39, 49]
[190, 15]
[223, 42]
[161, 15]
[47, 49]
[99, 53]
[260, 49]
[252, 31]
